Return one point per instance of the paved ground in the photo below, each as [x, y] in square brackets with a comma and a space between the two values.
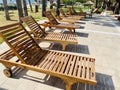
[99, 37]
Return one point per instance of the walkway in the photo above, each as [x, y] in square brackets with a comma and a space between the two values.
[99, 37]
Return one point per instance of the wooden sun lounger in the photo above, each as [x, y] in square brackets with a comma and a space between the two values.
[84, 13]
[41, 35]
[69, 16]
[71, 11]
[68, 67]
[55, 23]
[61, 19]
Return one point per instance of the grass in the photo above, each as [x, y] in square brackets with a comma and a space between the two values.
[1, 40]
[14, 16]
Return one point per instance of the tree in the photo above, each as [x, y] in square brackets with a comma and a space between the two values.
[43, 7]
[117, 7]
[36, 6]
[30, 5]
[19, 7]
[25, 8]
[58, 6]
[6, 10]
[108, 4]
[96, 3]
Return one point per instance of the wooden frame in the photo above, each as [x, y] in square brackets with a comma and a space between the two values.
[55, 23]
[41, 35]
[70, 16]
[69, 67]
[61, 19]
[72, 11]
[84, 13]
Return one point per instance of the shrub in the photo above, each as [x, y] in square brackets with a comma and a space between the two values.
[9, 7]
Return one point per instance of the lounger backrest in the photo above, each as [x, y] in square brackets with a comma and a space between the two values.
[71, 11]
[62, 12]
[55, 14]
[34, 26]
[80, 9]
[95, 10]
[51, 18]
[20, 41]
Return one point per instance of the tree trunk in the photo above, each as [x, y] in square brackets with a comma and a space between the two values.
[30, 5]
[25, 8]
[43, 7]
[108, 4]
[96, 4]
[20, 11]
[6, 10]
[117, 7]
[116, 10]
[36, 6]
[58, 6]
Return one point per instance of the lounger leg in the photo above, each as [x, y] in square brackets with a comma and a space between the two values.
[68, 86]
[63, 46]
[74, 30]
[68, 83]
[70, 29]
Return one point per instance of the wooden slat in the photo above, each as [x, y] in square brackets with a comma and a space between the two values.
[79, 67]
[61, 63]
[16, 36]
[51, 60]
[54, 64]
[53, 21]
[83, 67]
[45, 60]
[92, 69]
[67, 69]
[72, 66]
[65, 64]
[87, 68]
[76, 66]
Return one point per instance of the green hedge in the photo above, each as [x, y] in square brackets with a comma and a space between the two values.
[9, 7]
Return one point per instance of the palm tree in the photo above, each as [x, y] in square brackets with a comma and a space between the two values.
[96, 3]
[36, 6]
[20, 11]
[30, 5]
[6, 10]
[25, 8]
[58, 6]
[117, 7]
[43, 7]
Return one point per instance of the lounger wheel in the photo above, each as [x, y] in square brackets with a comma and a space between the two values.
[7, 72]
[49, 27]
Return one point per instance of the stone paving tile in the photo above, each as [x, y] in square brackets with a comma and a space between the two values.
[46, 87]
[11, 84]
[26, 85]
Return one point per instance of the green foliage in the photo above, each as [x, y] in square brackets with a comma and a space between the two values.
[1, 40]
[68, 2]
[82, 1]
[1, 8]
[9, 7]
